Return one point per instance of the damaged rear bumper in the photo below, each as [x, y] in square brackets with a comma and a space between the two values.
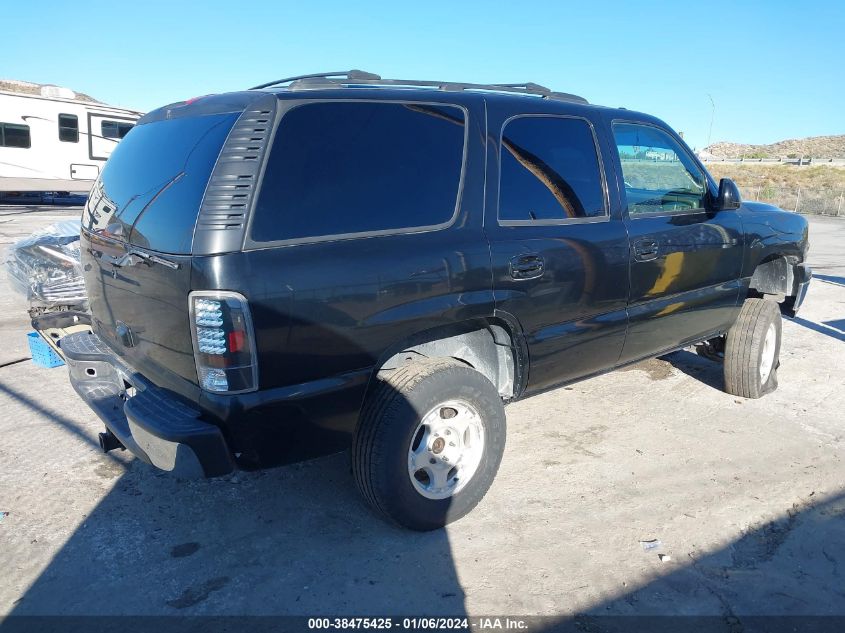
[151, 422]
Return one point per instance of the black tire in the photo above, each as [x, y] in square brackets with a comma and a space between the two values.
[744, 349]
[388, 426]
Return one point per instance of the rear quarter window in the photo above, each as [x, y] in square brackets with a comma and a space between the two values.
[550, 171]
[346, 168]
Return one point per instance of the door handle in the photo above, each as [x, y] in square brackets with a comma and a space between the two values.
[646, 250]
[527, 266]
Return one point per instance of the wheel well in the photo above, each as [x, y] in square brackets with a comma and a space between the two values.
[778, 278]
[487, 347]
[773, 276]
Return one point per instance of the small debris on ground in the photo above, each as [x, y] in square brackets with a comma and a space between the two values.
[651, 544]
[664, 558]
[3, 514]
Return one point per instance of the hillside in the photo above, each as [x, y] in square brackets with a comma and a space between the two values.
[822, 188]
[30, 88]
[816, 146]
[754, 176]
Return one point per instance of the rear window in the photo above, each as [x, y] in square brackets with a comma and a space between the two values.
[152, 186]
[550, 171]
[341, 168]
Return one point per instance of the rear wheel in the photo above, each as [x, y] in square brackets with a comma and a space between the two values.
[752, 350]
[429, 443]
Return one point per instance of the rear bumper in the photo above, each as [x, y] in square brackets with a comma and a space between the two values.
[151, 422]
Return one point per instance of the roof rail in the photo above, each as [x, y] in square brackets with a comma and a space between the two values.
[353, 75]
[363, 78]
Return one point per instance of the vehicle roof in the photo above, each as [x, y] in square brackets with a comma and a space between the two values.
[512, 102]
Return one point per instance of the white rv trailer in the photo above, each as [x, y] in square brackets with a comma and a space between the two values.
[54, 139]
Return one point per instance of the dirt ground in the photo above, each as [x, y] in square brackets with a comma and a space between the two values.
[746, 498]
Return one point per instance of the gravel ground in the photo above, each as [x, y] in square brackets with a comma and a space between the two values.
[745, 497]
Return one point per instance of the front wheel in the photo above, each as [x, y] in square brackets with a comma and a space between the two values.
[429, 443]
[752, 350]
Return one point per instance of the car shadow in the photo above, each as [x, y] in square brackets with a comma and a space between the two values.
[831, 279]
[63, 421]
[698, 367]
[292, 540]
[836, 324]
[296, 540]
[828, 329]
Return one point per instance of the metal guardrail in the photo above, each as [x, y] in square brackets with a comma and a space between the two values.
[802, 161]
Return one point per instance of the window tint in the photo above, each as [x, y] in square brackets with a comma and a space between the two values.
[14, 135]
[659, 174]
[340, 167]
[115, 129]
[68, 128]
[550, 170]
[151, 189]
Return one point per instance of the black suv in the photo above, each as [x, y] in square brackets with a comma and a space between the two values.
[337, 258]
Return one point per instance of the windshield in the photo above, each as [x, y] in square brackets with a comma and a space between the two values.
[150, 191]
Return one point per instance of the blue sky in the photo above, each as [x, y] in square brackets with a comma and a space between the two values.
[774, 69]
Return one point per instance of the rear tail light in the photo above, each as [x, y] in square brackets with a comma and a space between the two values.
[224, 343]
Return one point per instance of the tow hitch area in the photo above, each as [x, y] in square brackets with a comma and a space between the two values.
[109, 441]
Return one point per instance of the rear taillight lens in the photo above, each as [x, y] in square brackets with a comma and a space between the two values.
[224, 343]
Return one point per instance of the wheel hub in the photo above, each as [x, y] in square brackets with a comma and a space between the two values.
[446, 449]
[767, 358]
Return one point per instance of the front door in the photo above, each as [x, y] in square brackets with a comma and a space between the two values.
[559, 255]
[685, 258]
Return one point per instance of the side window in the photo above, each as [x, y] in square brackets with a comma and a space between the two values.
[660, 176]
[354, 167]
[549, 170]
[14, 135]
[68, 128]
[115, 129]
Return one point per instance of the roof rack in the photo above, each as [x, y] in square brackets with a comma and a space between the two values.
[353, 74]
[363, 78]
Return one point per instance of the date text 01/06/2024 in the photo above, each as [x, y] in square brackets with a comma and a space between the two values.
[420, 624]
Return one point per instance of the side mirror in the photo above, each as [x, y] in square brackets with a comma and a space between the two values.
[728, 197]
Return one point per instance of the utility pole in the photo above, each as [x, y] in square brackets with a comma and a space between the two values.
[712, 116]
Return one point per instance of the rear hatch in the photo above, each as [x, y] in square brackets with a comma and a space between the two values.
[137, 236]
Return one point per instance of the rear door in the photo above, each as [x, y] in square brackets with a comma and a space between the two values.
[559, 252]
[685, 258]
